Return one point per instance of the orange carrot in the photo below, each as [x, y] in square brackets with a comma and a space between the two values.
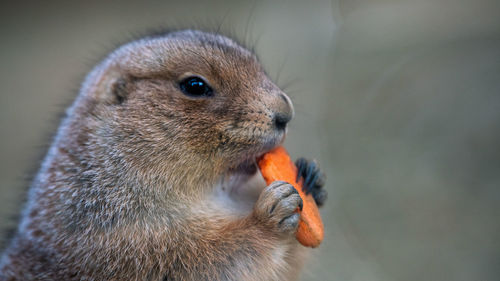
[276, 165]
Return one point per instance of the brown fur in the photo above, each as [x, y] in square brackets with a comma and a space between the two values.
[128, 189]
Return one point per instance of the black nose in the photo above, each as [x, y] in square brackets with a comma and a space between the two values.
[281, 119]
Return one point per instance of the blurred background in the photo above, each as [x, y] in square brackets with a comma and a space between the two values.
[398, 100]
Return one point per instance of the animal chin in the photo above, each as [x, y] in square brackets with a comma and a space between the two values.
[244, 183]
[248, 167]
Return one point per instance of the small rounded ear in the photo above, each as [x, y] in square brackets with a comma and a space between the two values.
[113, 89]
[107, 85]
[119, 91]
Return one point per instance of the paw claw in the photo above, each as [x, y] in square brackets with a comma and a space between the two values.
[313, 178]
[320, 197]
[290, 223]
[301, 164]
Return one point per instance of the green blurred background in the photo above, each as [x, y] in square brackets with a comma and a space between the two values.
[398, 100]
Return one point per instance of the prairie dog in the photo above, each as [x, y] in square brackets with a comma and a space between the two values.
[152, 173]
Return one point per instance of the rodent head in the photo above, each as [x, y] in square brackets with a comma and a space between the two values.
[188, 101]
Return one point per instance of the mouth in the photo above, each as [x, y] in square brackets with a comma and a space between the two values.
[243, 182]
[249, 165]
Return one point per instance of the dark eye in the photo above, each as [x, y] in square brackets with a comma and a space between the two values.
[195, 86]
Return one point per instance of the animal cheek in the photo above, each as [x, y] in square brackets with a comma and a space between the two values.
[260, 117]
[263, 122]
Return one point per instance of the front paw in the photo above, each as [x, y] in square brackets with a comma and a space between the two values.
[277, 206]
[314, 179]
